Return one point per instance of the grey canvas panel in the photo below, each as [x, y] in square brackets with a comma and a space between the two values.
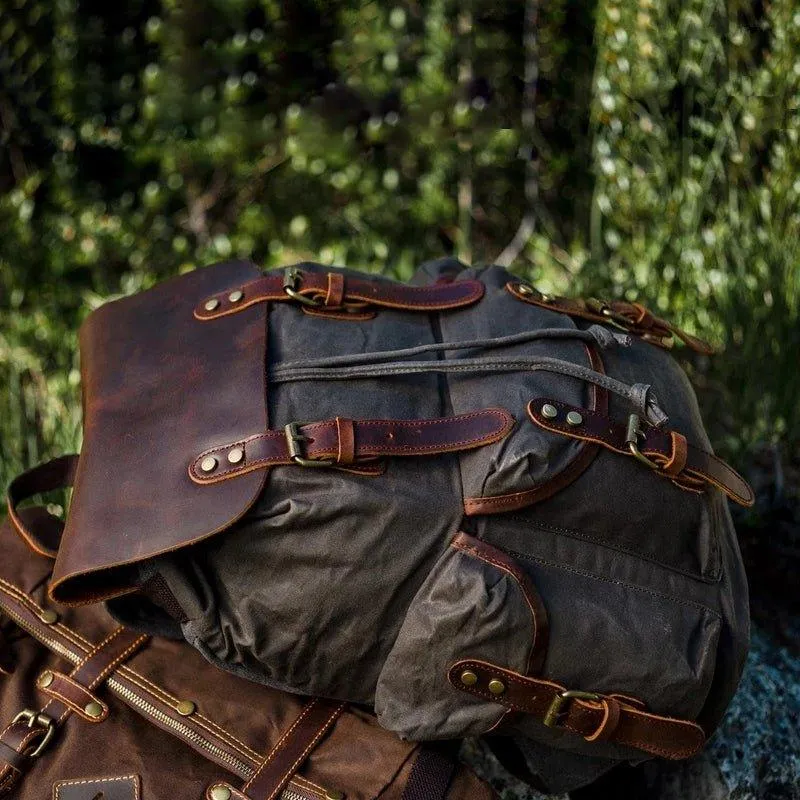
[527, 457]
[296, 594]
[466, 608]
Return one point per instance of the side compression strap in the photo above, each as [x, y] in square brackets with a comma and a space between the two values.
[432, 772]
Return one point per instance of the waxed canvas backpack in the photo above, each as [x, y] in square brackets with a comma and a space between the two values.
[477, 508]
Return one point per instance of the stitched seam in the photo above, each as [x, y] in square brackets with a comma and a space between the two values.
[61, 677]
[513, 498]
[137, 643]
[597, 539]
[23, 744]
[516, 574]
[586, 574]
[34, 608]
[312, 744]
[307, 784]
[132, 778]
[306, 711]
[204, 722]
[72, 705]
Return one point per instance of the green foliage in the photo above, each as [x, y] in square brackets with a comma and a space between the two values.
[144, 138]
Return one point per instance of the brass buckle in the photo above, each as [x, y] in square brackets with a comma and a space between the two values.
[560, 700]
[291, 285]
[45, 723]
[631, 439]
[604, 309]
[294, 440]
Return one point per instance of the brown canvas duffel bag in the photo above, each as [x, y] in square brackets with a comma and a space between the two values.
[92, 711]
[477, 508]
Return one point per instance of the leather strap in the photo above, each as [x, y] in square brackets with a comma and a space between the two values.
[17, 742]
[606, 717]
[131, 688]
[669, 453]
[631, 317]
[32, 729]
[205, 736]
[41, 530]
[341, 293]
[292, 749]
[342, 441]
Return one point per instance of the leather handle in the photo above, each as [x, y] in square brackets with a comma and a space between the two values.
[40, 529]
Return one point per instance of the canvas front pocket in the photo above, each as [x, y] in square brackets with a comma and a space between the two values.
[476, 603]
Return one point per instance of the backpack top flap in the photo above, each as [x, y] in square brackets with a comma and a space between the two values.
[158, 387]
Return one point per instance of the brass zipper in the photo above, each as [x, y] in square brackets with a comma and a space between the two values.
[292, 794]
[239, 766]
[185, 731]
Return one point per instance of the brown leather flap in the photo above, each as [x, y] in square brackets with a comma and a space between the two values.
[159, 386]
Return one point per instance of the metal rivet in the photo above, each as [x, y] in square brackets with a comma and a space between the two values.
[186, 708]
[334, 794]
[549, 411]
[236, 296]
[48, 617]
[220, 793]
[574, 418]
[524, 288]
[235, 455]
[211, 305]
[497, 687]
[468, 677]
[93, 709]
[45, 679]
[209, 464]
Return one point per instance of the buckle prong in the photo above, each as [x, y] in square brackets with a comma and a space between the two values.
[632, 440]
[43, 722]
[560, 700]
[291, 285]
[294, 440]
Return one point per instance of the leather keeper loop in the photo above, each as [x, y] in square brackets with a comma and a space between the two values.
[608, 724]
[335, 293]
[58, 686]
[680, 453]
[345, 432]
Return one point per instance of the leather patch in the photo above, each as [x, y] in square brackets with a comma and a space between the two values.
[125, 788]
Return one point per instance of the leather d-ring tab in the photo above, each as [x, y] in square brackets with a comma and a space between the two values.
[608, 724]
[689, 466]
[345, 432]
[335, 294]
[632, 318]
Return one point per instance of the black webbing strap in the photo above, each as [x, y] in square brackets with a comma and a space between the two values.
[432, 772]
